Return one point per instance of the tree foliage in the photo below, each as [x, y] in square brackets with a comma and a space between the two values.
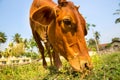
[30, 44]
[3, 37]
[90, 25]
[117, 12]
[97, 36]
[115, 39]
[91, 44]
[17, 38]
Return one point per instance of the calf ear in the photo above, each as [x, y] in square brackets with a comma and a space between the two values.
[83, 22]
[44, 15]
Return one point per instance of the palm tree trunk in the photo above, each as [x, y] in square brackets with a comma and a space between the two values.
[96, 42]
[97, 47]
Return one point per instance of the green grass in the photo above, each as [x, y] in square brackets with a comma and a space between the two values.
[106, 67]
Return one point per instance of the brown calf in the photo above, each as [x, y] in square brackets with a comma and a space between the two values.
[66, 30]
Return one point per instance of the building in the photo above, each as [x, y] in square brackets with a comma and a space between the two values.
[110, 47]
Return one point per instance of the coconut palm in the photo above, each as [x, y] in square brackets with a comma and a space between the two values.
[31, 44]
[17, 38]
[117, 13]
[97, 37]
[90, 25]
[3, 37]
[31, 48]
[18, 47]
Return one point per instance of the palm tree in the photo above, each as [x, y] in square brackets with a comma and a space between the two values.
[90, 25]
[97, 37]
[117, 13]
[17, 38]
[18, 47]
[3, 37]
[31, 48]
[31, 44]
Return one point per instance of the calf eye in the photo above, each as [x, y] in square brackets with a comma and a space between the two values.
[67, 21]
[67, 25]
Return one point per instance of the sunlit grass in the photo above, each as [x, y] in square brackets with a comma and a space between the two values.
[106, 67]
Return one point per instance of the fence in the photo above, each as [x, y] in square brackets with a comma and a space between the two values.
[14, 60]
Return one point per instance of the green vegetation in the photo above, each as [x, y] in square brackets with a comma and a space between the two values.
[19, 47]
[106, 67]
[117, 12]
[3, 37]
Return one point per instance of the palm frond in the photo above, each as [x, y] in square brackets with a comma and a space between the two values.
[117, 20]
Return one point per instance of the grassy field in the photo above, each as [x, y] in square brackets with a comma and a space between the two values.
[106, 67]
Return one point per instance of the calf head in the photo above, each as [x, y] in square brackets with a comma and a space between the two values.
[66, 31]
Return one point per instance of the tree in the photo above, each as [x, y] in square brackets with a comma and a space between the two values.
[115, 39]
[31, 48]
[91, 44]
[97, 36]
[17, 38]
[90, 25]
[17, 47]
[3, 37]
[117, 13]
[30, 44]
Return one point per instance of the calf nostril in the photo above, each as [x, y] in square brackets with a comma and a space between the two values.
[86, 66]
